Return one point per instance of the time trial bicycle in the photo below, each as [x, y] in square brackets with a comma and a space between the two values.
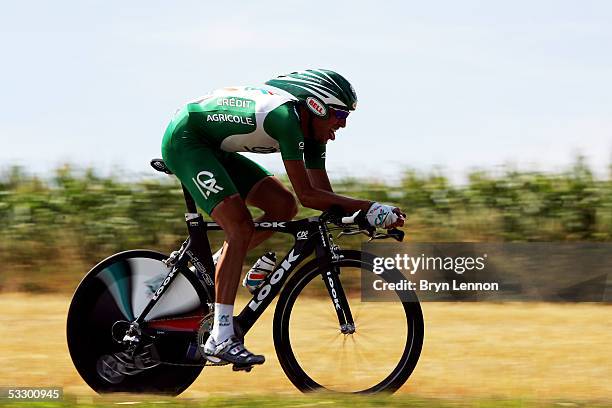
[138, 319]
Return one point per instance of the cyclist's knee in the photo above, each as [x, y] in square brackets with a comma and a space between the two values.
[284, 207]
[274, 199]
[291, 208]
[240, 233]
[235, 220]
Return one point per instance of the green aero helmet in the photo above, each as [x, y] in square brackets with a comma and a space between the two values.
[319, 89]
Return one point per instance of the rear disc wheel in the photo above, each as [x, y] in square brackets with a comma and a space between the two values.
[112, 295]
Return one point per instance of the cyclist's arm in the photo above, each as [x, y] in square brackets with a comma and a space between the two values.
[314, 160]
[315, 197]
[283, 125]
[319, 179]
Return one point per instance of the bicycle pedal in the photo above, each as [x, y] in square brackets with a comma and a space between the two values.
[214, 361]
[246, 368]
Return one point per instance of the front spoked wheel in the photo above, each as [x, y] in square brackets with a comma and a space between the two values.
[379, 356]
[164, 358]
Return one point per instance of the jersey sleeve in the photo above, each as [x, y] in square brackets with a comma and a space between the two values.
[314, 154]
[283, 125]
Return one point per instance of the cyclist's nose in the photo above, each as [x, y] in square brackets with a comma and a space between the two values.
[342, 123]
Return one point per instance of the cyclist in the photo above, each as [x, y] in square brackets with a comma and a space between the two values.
[296, 114]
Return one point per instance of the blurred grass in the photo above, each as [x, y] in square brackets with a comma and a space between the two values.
[474, 353]
[299, 401]
[56, 229]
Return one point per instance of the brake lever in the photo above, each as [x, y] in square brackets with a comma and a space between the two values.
[377, 236]
[396, 234]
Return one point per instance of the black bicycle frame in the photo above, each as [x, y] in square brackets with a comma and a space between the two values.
[310, 236]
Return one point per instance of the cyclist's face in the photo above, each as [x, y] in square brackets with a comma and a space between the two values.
[325, 129]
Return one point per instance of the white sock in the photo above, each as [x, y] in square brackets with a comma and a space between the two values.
[217, 255]
[223, 325]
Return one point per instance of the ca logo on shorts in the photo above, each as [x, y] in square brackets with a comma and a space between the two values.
[206, 183]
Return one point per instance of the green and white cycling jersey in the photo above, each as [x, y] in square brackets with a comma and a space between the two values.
[250, 119]
[201, 142]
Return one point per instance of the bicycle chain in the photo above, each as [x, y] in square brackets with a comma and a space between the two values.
[205, 327]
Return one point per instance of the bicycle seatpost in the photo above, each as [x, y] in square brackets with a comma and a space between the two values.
[191, 207]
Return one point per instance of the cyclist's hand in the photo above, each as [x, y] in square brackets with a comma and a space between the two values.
[401, 217]
[385, 216]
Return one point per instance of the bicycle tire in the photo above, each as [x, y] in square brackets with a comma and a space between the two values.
[282, 341]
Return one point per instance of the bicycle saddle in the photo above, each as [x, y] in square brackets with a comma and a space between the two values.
[159, 165]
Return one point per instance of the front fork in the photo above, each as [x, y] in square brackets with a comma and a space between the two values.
[331, 278]
[340, 302]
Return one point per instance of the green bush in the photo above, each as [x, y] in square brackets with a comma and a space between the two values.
[54, 230]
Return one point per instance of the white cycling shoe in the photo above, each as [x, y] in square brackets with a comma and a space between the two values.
[232, 351]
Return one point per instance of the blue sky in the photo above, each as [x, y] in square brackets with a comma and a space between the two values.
[457, 85]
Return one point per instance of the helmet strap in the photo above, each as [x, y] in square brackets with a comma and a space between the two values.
[306, 118]
[310, 125]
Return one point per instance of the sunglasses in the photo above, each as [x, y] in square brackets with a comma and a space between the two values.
[341, 114]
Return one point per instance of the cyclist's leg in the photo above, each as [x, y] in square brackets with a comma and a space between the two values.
[222, 345]
[235, 220]
[277, 203]
[261, 189]
[200, 169]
